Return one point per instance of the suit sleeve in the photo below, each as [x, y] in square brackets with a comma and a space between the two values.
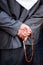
[8, 24]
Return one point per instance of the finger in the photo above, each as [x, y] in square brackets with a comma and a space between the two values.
[29, 32]
[25, 38]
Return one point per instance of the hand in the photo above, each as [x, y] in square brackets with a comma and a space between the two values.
[24, 31]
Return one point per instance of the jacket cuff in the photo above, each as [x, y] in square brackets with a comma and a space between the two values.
[18, 24]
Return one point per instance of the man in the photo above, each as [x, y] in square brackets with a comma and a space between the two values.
[16, 24]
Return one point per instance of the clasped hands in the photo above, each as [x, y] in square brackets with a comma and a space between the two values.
[24, 31]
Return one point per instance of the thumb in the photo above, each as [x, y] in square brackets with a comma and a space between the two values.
[25, 38]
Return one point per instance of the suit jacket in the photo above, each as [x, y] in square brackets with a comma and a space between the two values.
[12, 15]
